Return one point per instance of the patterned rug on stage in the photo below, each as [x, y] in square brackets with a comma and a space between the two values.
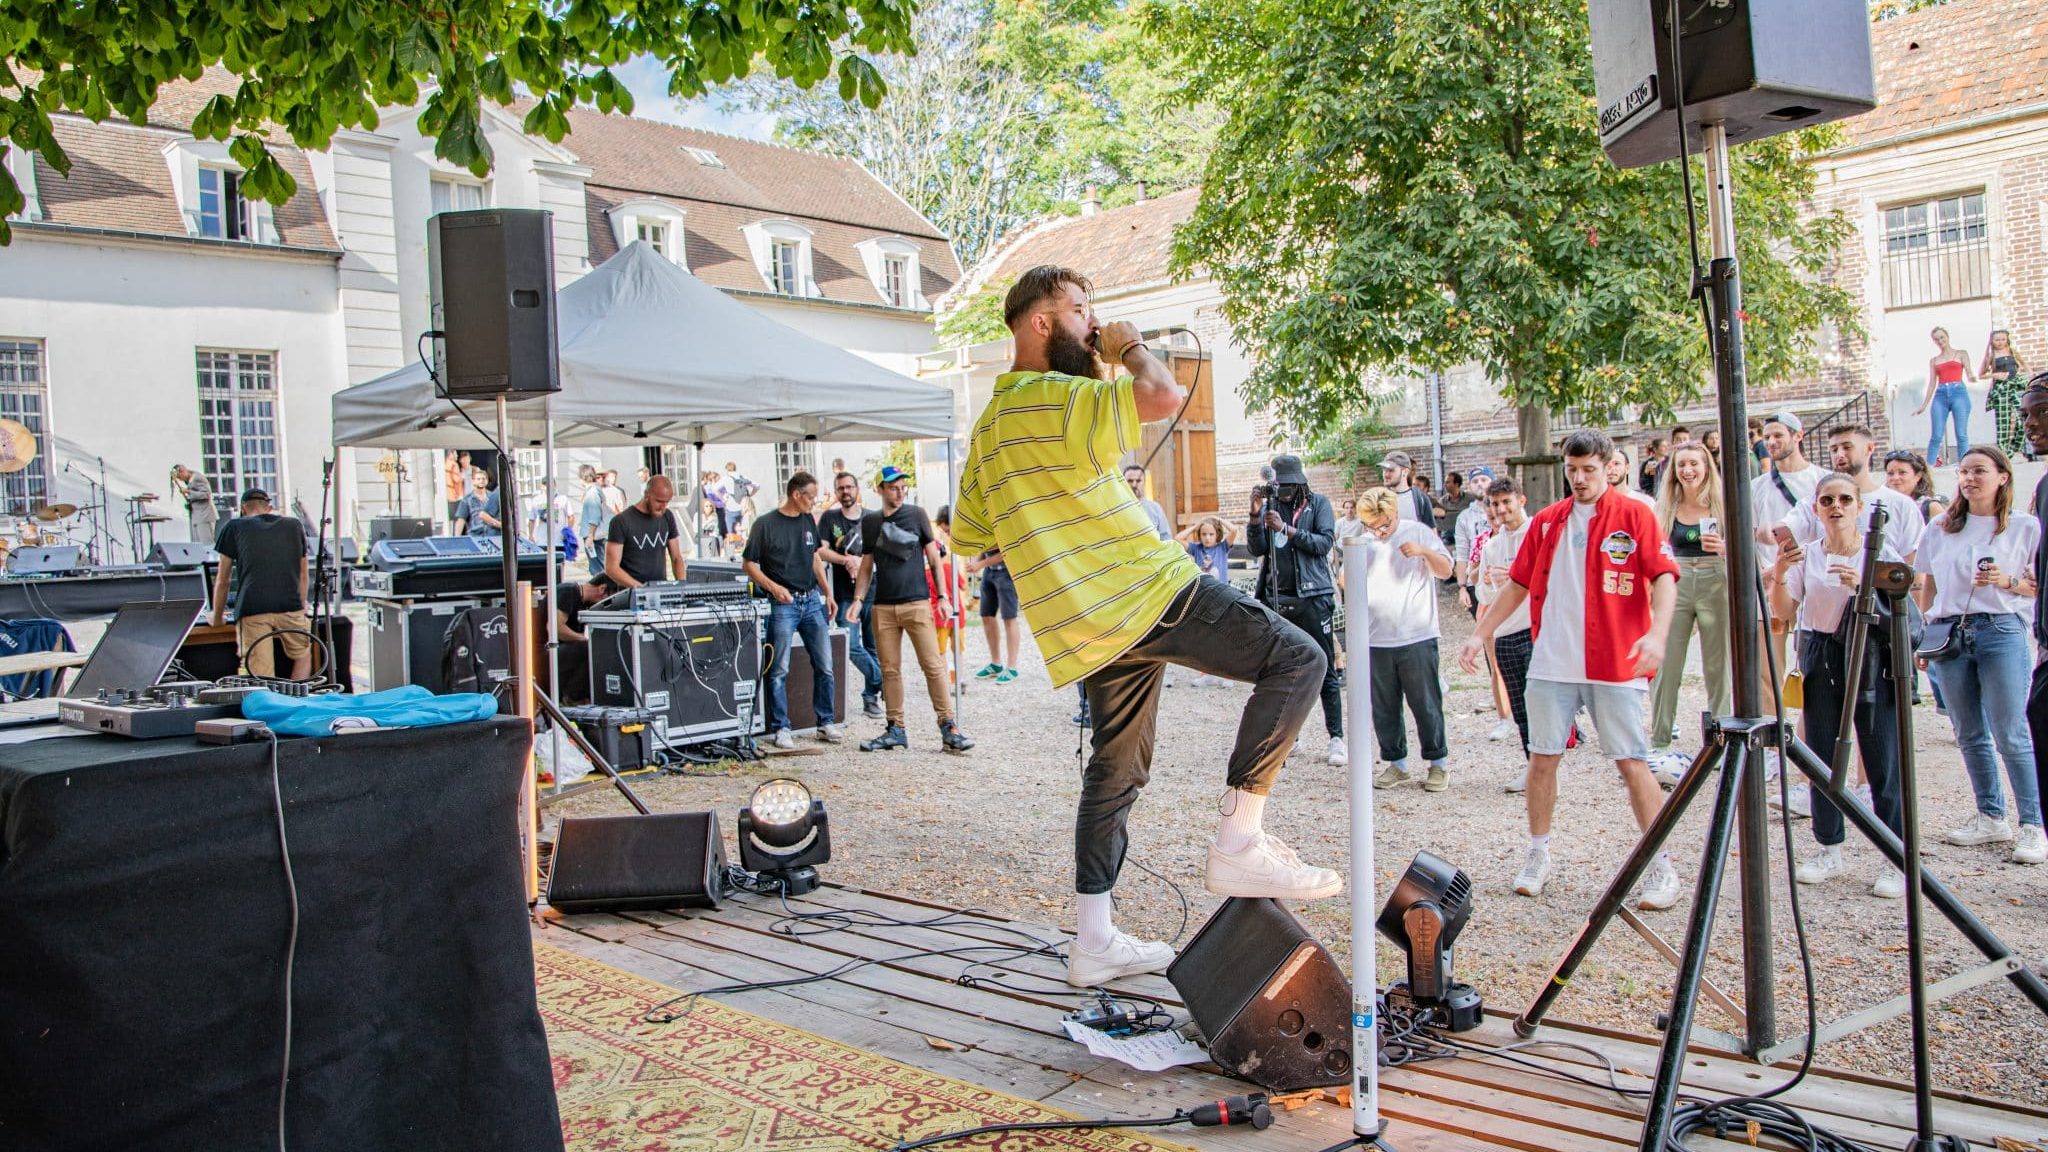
[721, 1079]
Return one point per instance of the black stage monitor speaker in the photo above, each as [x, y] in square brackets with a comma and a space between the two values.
[620, 863]
[1758, 67]
[45, 561]
[179, 554]
[400, 528]
[492, 276]
[1269, 997]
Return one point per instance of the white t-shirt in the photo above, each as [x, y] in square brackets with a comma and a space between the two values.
[1638, 495]
[1500, 553]
[1404, 503]
[1769, 506]
[1901, 531]
[1951, 558]
[1560, 652]
[1400, 591]
[1821, 595]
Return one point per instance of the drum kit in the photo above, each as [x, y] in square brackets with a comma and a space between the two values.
[60, 523]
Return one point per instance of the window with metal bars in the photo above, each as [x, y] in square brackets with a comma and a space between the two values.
[238, 433]
[25, 398]
[1936, 251]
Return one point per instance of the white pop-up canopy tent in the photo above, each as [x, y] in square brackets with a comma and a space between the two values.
[651, 355]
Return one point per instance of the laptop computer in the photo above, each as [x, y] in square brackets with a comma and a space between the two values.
[139, 644]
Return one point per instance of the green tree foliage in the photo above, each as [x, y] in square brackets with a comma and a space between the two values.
[1411, 184]
[1008, 110]
[313, 67]
[977, 319]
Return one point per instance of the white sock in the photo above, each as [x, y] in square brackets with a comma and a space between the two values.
[1542, 841]
[1093, 931]
[1243, 816]
[1663, 860]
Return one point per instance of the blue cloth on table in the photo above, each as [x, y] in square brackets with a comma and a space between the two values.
[36, 634]
[409, 707]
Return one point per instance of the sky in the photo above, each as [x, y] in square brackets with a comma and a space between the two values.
[648, 81]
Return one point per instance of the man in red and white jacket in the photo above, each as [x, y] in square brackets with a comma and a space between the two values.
[1600, 582]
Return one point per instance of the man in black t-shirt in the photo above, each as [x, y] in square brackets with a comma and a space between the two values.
[640, 536]
[573, 651]
[897, 551]
[782, 560]
[270, 553]
[840, 527]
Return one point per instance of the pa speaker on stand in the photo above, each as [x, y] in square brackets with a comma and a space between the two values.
[492, 276]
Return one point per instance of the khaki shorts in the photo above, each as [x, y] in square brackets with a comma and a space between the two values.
[252, 629]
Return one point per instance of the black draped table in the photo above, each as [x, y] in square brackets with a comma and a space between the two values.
[143, 922]
[85, 597]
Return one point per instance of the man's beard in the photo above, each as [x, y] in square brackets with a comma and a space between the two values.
[1069, 356]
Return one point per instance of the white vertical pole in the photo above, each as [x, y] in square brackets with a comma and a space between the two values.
[556, 742]
[1365, 1038]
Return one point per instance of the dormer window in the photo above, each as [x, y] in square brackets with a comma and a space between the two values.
[785, 268]
[782, 255]
[223, 214]
[653, 222]
[655, 233]
[704, 156]
[896, 280]
[892, 267]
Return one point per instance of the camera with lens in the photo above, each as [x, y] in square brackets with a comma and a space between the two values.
[1263, 491]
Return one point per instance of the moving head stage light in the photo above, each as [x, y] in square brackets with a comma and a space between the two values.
[1427, 910]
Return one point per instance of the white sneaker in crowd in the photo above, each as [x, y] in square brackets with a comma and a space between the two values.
[832, 734]
[1660, 887]
[1981, 829]
[1504, 730]
[1268, 869]
[1338, 756]
[2031, 847]
[1519, 784]
[1889, 885]
[783, 739]
[1862, 792]
[1535, 870]
[1668, 766]
[1798, 800]
[1822, 865]
[1124, 955]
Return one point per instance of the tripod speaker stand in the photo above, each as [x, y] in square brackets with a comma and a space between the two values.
[1734, 747]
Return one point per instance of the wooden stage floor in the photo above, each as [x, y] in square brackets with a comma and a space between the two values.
[911, 1010]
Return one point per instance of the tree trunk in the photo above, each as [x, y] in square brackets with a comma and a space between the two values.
[1536, 467]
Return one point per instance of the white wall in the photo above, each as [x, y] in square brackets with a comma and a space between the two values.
[121, 322]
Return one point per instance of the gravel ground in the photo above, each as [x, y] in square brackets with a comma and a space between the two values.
[993, 829]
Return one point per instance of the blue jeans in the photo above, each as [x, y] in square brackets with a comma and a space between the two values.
[804, 616]
[1986, 685]
[862, 657]
[1951, 402]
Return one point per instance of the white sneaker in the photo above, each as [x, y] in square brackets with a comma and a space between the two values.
[1889, 885]
[1519, 784]
[832, 734]
[1535, 870]
[1660, 888]
[2031, 847]
[1667, 767]
[1338, 755]
[1981, 829]
[783, 739]
[1267, 868]
[1862, 792]
[1820, 866]
[1124, 955]
[1505, 730]
[1798, 803]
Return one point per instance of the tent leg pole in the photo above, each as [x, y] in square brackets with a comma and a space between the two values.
[548, 595]
[953, 593]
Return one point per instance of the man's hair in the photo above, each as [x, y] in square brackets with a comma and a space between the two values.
[1455, 478]
[845, 476]
[1656, 442]
[1862, 430]
[1588, 442]
[490, 481]
[1677, 428]
[1380, 503]
[1503, 486]
[944, 515]
[1138, 468]
[1037, 286]
[798, 482]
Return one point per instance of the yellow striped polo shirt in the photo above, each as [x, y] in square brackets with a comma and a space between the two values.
[1043, 482]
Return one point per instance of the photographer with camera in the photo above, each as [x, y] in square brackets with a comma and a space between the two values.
[1292, 531]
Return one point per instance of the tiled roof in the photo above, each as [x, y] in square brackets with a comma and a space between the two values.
[1953, 62]
[120, 180]
[716, 248]
[1116, 248]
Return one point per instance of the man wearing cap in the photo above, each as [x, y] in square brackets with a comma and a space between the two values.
[1468, 535]
[897, 551]
[268, 551]
[1112, 604]
[1785, 485]
[1292, 535]
[1398, 470]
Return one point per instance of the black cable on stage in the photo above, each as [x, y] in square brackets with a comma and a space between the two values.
[1179, 1117]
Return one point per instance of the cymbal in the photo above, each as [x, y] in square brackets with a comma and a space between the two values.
[153, 518]
[143, 498]
[17, 446]
[49, 513]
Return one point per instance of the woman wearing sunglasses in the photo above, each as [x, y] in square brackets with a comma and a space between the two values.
[1817, 581]
[1978, 557]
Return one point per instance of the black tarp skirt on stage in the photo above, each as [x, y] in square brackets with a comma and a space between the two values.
[143, 920]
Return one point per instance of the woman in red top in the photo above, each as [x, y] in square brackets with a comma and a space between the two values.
[1949, 395]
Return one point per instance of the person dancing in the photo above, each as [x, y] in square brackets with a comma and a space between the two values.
[1111, 604]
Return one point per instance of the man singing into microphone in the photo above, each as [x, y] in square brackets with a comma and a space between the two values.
[1112, 604]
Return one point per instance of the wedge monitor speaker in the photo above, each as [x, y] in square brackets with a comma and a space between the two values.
[1269, 998]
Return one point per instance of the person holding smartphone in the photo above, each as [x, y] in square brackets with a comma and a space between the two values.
[1978, 559]
[1689, 510]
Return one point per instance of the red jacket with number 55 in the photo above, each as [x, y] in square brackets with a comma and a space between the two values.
[1625, 553]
